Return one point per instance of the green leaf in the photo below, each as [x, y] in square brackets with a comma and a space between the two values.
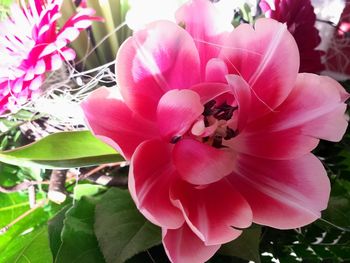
[30, 247]
[87, 190]
[62, 150]
[246, 246]
[121, 230]
[79, 243]
[55, 227]
[338, 210]
[11, 207]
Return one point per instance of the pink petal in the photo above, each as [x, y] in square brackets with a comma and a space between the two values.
[154, 61]
[314, 110]
[56, 62]
[183, 246]
[36, 83]
[280, 145]
[210, 91]
[267, 58]
[208, 27]
[282, 194]
[112, 121]
[199, 163]
[150, 178]
[216, 70]
[213, 211]
[68, 54]
[316, 106]
[69, 33]
[177, 110]
[243, 97]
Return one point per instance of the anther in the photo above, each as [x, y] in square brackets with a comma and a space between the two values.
[230, 133]
[175, 139]
[208, 108]
[217, 141]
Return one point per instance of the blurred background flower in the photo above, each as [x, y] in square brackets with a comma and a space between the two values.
[31, 45]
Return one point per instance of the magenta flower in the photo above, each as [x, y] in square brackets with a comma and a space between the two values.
[300, 18]
[218, 126]
[31, 45]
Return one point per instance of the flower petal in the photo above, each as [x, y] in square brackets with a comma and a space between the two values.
[316, 105]
[314, 110]
[199, 163]
[113, 122]
[150, 178]
[243, 97]
[183, 246]
[282, 194]
[216, 71]
[177, 110]
[153, 61]
[279, 145]
[213, 211]
[208, 27]
[211, 90]
[267, 58]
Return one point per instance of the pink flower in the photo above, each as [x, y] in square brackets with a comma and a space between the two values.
[218, 126]
[300, 18]
[31, 45]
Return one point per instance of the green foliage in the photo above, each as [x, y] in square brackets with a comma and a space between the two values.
[246, 246]
[118, 219]
[81, 190]
[55, 226]
[4, 5]
[30, 247]
[78, 241]
[62, 150]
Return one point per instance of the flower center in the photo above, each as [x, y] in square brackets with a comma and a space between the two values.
[213, 126]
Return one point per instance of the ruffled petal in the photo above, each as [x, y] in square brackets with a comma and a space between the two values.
[267, 58]
[113, 122]
[150, 178]
[242, 94]
[177, 110]
[183, 246]
[208, 27]
[209, 91]
[278, 145]
[213, 211]
[154, 61]
[282, 194]
[316, 106]
[199, 163]
[216, 71]
[314, 110]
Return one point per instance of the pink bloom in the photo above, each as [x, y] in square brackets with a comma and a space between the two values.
[300, 18]
[218, 126]
[31, 45]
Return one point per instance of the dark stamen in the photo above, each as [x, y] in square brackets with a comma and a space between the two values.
[205, 139]
[208, 108]
[175, 139]
[217, 141]
[206, 122]
[224, 112]
[230, 133]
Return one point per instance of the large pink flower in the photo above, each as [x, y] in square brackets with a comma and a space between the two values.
[218, 125]
[300, 18]
[31, 45]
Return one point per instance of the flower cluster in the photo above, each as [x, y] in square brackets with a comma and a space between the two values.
[218, 126]
[31, 45]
